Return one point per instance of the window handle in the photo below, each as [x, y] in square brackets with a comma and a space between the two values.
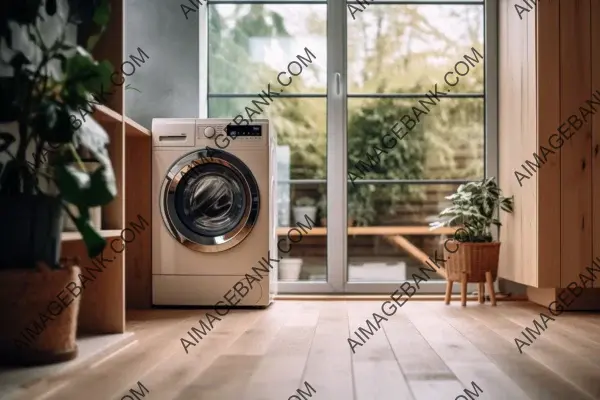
[338, 82]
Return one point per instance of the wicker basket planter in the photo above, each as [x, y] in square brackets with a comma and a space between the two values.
[37, 327]
[474, 259]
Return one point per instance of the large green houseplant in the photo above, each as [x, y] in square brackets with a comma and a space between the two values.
[46, 80]
[472, 253]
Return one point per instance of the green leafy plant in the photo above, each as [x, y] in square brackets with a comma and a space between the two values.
[305, 202]
[322, 206]
[50, 79]
[361, 207]
[475, 205]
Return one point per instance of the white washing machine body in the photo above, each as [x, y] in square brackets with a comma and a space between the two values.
[214, 212]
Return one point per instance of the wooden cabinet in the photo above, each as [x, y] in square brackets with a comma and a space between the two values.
[549, 71]
[103, 301]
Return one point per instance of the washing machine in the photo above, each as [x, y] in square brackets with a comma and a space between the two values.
[214, 212]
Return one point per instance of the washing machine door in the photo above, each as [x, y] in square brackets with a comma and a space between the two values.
[209, 200]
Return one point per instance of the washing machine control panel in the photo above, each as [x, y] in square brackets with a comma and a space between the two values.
[244, 131]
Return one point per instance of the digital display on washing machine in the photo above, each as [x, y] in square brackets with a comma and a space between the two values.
[244, 131]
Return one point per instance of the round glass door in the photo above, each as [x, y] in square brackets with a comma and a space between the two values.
[210, 204]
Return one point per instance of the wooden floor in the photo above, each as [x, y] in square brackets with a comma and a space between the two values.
[427, 351]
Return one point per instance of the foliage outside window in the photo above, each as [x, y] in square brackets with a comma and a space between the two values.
[446, 144]
[405, 160]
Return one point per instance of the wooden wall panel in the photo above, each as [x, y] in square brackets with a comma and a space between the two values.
[509, 250]
[548, 119]
[516, 143]
[112, 214]
[138, 202]
[576, 177]
[595, 89]
[529, 232]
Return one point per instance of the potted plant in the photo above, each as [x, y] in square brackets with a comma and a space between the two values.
[361, 210]
[46, 81]
[305, 207]
[290, 268]
[475, 207]
[322, 208]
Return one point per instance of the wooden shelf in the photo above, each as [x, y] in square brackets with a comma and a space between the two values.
[376, 230]
[107, 233]
[105, 114]
[134, 129]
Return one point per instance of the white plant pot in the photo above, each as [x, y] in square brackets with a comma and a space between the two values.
[289, 269]
[300, 213]
[377, 272]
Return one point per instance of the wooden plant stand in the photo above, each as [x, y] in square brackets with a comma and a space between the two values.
[463, 289]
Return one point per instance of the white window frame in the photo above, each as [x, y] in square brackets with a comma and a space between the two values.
[337, 238]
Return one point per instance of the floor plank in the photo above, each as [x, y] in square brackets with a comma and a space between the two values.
[329, 364]
[376, 371]
[579, 324]
[180, 370]
[537, 381]
[425, 371]
[126, 361]
[576, 343]
[581, 373]
[425, 351]
[463, 358]
[280, 371]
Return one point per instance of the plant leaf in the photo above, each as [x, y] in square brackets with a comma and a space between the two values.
[92, 41]
[93, 241]
[19, 60]
[103, 187]
[102, 14]
[6, 139]
[72, 184]
[50, 7]
[92, 136]
[51, 122]
[24, 12]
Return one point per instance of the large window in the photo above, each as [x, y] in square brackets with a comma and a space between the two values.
[393, 53]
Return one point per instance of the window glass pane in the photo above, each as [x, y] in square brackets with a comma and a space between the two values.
[446, 143]
[299, 124]
[304, 249]
[272, 1]
[378, 257]
[407, 48]
[252, 46]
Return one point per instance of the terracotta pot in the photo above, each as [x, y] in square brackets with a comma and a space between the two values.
[37, 326]
[474, 259]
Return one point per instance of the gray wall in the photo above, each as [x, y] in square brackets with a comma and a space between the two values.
[168, 80]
